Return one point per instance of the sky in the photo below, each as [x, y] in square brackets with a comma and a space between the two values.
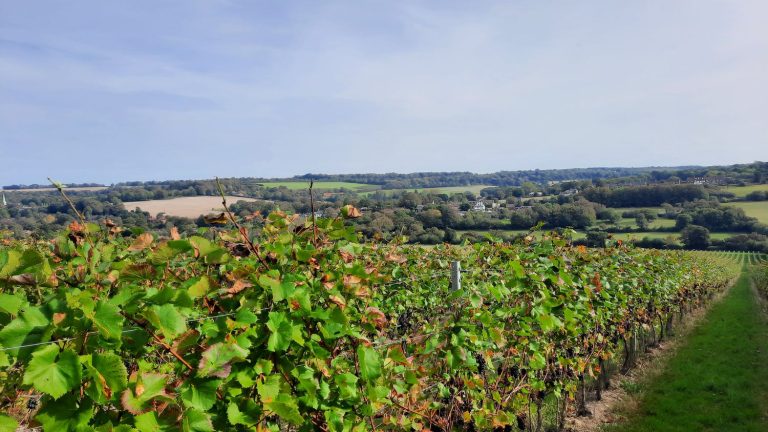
[104, 91]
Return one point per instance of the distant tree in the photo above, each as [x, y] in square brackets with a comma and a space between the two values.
[682, 221]
[642, 221]
[431, 218]
[596, 238]
[695, 237]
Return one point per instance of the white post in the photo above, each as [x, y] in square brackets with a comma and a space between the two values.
[455, 276]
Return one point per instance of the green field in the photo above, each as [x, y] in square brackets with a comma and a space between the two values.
[655, 224]
[618, 236]
[475, 189]
[641, 235]
[621, 210]
[756, 209]
[742, 191]
[296, 185]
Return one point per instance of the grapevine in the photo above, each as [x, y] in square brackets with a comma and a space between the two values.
[288, 325]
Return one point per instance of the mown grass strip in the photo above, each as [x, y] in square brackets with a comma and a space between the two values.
[716, 381]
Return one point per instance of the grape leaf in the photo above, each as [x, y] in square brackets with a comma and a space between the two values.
[108, 320]
[50, 376]
[370, 363]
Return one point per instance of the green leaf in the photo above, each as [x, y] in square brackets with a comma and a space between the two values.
[50, 376]
[370, 363]
[216, 360]
[24, 329]
[286, 407]
[200, 287]
[269, 389]
[7, 423]
[65, 414]
[549, 322]
[10, 260]
[196, 421]
[537, 361]
[10, 303]
[272, 282]
[347, 384]
[108, 320]
[200, 394]
[238, 417]
[168, 320]
[283, 331]
[150, 422]
[111, 369]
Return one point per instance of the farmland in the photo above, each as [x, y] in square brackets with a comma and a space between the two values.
[742, 191]
[320, 185]
[191, 330]
[756, 209]
[189, 207]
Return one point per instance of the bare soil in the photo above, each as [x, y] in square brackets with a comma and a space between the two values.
[189, 207]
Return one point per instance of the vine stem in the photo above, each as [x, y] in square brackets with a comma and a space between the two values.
[79, 215]
[161, 342]
[240, 228]
[312, 208]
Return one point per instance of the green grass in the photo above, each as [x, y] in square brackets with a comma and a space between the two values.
[742, 191]
[717, 380]
[630, 222]
[621, 210]
[475, 189]
[756, 209]
[295, 185]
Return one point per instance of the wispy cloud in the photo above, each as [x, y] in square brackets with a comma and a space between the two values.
[194, 89]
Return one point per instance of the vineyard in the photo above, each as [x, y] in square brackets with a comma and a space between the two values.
[284, 324]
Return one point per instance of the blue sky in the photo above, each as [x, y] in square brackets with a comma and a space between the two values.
[108, 91]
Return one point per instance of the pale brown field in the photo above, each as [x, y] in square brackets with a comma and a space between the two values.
[189, 207]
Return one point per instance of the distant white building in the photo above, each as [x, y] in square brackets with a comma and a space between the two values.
[479, 207]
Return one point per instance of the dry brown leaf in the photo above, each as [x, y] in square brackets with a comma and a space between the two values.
[351, 280]
[175, 233]
[76, 227]
[58, 317]
[351, 212]
[215, 219]
[375, 317]
[142, 242]
[23, 279]
[393, 257]
[238, 286]
[339, 301]
[346, 256]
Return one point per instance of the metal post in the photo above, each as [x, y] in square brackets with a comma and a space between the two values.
[455, 276]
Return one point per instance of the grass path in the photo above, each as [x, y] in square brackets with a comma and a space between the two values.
[718, 379]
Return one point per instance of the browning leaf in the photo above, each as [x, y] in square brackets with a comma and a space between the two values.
[350, 212]
[142, 242]
[215, 219]
[238, 286]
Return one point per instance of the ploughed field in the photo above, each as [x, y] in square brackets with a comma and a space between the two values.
[189, 207]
